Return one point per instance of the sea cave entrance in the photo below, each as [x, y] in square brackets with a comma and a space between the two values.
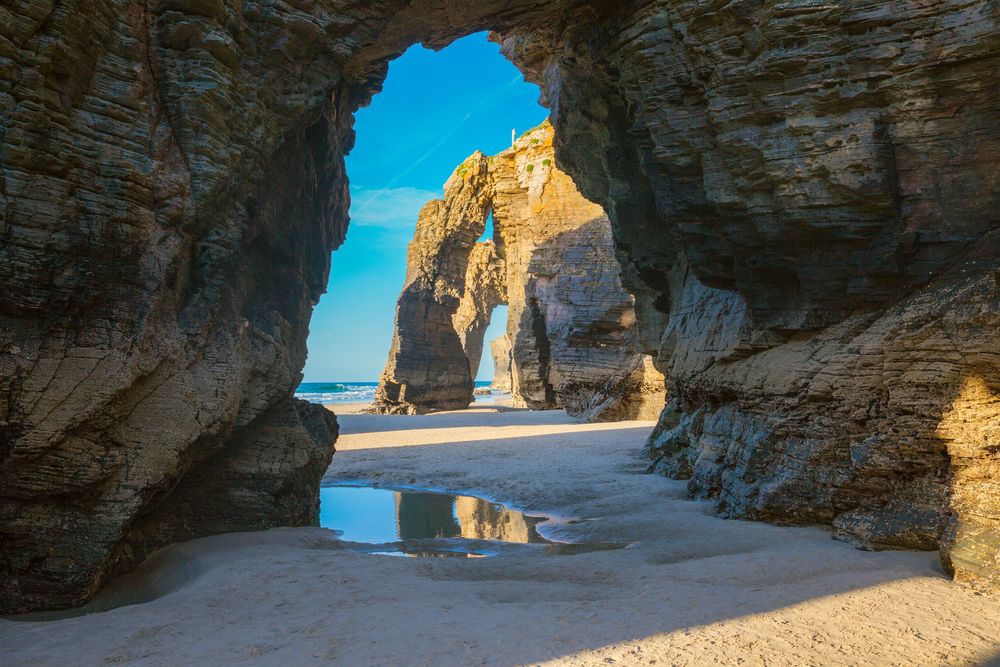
[434, 110]
[474, 273]
[165, 261]
[506, 270]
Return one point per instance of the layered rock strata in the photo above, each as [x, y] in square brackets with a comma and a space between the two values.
[804, 196]
[500, 348]
[485, 289]
[807, 204]
[428, 367]
[635, 391]
[571, 325]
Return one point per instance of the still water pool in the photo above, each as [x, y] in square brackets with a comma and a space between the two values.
[399, 516]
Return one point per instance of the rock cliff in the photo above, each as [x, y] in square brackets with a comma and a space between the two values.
[485, 289]
[500, 348]
[803, 195]
[571, 325]
[805, 198]
[428, 367]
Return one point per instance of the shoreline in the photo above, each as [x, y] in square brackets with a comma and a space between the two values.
[691, 589]
[500, 401]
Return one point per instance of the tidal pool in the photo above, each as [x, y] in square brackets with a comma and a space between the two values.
[375, 515]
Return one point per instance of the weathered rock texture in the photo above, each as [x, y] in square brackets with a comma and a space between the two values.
[485, 289]
[804, 195]
[571, 325]
[635, 391]
[500, 348]
[428, 367]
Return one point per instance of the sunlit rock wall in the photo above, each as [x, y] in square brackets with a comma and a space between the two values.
[500, 348]
[571, 324]
[805, 198]
[427, 366]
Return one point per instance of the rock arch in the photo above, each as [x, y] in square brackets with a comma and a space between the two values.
[573, 341]
[804, 197]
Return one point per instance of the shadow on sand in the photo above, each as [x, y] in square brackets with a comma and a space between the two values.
[690, 585]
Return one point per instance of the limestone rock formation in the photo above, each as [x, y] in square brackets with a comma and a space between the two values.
[577, 343]
[570, 321]
[428, 367]
[807, 202]
[804, 196]
[500, 348]
[485, 289]
[571, 325]
[636, 391]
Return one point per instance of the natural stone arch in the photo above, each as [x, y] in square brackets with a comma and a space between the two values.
[173, 182]
[574, 342]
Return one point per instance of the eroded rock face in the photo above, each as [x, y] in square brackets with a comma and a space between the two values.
[500, 348]
[787, 182]
[154, 296]
[878, 425]
[571, 326]
[571, 323]
[805, 195]
[428, 368]
[485, 289]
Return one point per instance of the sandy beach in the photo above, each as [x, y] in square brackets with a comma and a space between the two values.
[691, 589]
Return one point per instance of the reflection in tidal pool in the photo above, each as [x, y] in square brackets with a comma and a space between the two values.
[379, 516]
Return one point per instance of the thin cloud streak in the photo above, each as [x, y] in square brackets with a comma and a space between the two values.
[489, 100]
[389, 208]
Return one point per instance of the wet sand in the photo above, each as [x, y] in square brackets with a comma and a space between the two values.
[692, 589]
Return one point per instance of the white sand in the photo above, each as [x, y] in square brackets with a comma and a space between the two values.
[692, 590]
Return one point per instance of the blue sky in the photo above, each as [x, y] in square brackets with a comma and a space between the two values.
[434, 110]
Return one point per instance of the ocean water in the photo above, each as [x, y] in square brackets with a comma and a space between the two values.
[336, 392]
[352, 392]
